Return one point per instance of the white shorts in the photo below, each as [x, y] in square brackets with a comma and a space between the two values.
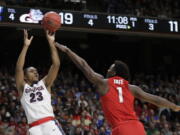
[49, 128]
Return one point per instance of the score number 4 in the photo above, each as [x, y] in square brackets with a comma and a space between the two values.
[90, 22]
[121, 100]
[11, 16]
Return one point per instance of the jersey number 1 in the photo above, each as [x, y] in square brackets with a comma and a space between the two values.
[120, 94]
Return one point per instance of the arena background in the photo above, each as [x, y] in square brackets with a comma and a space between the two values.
[153, 61]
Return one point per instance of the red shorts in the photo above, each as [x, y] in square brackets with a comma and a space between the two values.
[129, 128]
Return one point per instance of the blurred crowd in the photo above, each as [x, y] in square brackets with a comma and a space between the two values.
[76, 105]
[152, 8]
[56, 4]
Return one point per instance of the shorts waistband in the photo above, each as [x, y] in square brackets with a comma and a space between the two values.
[41, 121]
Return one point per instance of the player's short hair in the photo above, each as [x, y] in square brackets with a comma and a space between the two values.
[122, 70]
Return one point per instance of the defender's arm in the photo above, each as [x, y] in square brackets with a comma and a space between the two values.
[156, 100]
[90, 74]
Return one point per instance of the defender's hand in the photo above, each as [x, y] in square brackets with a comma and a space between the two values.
[27, 41]
[50, 36]
[62, 47]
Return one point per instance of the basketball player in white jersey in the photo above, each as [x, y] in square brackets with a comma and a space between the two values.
[35, 95]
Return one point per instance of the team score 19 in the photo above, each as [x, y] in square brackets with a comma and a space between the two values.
[36, 97]
[121, 100]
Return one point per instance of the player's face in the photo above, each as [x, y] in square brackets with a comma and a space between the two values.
[32, 74]
[110, 72]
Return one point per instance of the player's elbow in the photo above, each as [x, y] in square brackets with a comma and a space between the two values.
[83, 63]
[92, 77]
[56, 63]
[153, 99]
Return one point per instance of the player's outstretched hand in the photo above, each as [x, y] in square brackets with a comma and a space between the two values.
[61, 47]
[50, 36]
[27, 41]
[177, 108]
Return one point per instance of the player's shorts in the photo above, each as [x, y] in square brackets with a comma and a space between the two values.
[133, 127]
[49, 128]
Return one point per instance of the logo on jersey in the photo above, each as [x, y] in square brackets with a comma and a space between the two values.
[34, 89]
[34, 16]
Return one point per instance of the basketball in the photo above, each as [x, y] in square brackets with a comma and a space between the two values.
[51, 21]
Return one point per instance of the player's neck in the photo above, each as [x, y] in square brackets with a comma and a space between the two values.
[31, 83]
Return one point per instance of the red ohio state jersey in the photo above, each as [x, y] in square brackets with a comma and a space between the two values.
[118, 102]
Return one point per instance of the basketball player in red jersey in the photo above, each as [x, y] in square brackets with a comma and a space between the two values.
[117, 95]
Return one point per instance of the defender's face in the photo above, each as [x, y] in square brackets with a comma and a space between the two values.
[110, 72]
[32, 74]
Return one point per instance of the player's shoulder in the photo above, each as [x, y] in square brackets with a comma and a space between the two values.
[134, 89]
[103, 87]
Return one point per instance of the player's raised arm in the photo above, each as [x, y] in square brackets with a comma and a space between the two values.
[53, 71]
[92, 76]
[156, 100]
[19, 73]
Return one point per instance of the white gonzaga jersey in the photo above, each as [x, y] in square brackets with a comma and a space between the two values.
[36, 101]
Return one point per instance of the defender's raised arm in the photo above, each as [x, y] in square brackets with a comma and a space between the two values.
[90, 74]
